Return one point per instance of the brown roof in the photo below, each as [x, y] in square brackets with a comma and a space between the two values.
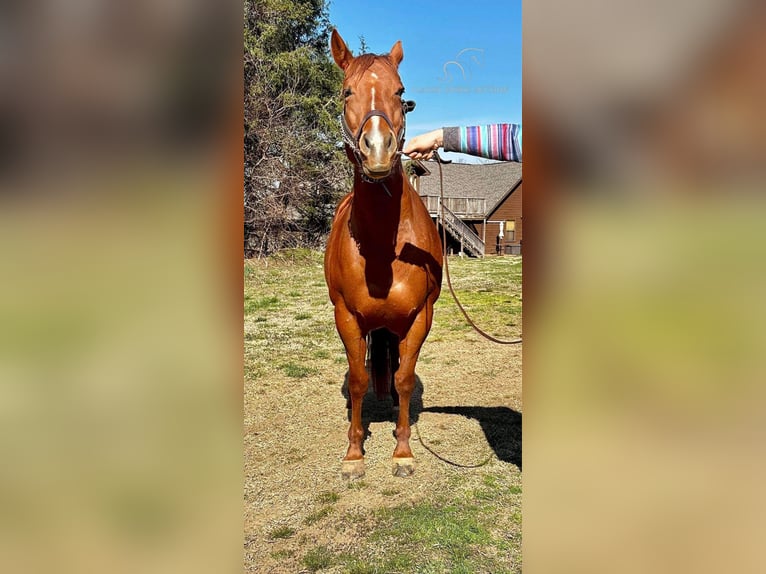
[492, 181]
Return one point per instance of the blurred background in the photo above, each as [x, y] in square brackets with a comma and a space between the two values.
[644, 272]
[120, 310]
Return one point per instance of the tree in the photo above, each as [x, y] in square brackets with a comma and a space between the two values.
[295, 166]
[363, 47]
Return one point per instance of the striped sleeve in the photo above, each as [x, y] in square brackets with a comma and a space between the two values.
[493, 141]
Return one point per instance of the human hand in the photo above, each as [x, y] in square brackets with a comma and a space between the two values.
[423, 146]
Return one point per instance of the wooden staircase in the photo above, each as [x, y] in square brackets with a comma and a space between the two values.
[470, 243]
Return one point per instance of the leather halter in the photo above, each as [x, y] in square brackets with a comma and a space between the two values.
[351, 139]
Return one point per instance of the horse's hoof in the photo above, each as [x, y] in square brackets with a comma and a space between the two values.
[352, 469]
[403, 467]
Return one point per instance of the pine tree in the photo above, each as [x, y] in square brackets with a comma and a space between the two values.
[295, 167]
[363, 47]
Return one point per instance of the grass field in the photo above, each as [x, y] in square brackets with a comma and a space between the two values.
[461, 510]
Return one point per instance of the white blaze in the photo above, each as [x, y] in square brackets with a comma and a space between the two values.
[375, 136]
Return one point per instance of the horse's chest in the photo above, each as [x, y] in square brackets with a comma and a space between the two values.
[391, 295]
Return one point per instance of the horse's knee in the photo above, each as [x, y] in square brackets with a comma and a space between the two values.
[357, 392]
[404, 385]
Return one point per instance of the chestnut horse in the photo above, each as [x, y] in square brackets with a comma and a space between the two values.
[383, 263]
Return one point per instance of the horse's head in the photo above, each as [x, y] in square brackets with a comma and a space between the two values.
[373, 118]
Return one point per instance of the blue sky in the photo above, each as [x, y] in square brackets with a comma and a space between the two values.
[462, 61]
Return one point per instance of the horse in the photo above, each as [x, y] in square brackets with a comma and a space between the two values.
[383, 260]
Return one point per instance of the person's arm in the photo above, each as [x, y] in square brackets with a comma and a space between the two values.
[493, 141]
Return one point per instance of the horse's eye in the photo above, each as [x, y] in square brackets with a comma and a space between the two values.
[346, 92]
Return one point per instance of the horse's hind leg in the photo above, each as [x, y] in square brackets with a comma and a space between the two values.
[356, 350]
[404, 381]
[394, 367]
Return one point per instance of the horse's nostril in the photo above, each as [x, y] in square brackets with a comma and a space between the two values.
[389, 141]
[366, 141]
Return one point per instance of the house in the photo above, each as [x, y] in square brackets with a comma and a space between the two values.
[482, 211]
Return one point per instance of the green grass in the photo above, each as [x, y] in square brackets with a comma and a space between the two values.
[296, 255]
[289, 327]
[281, 532]
[317, 515]
[318, 559]
[428, 524]
[261, 303]
[296, 371]
[484, 495]
[491, 480]
[460, 533]
[442, 537]
[330, 497]
[489, 289]
[395, 563]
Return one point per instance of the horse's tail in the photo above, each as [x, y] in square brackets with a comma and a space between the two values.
[383, 355]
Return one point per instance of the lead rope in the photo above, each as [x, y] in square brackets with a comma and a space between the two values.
[446, 263]
[484, 462]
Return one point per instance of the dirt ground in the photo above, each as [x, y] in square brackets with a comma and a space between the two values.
[466, 435]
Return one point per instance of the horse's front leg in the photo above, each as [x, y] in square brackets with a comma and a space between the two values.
[404, 381]
[356, 351]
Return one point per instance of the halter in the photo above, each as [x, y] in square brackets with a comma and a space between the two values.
[352, 140]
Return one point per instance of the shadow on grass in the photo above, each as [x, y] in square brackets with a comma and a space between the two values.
[501, 425]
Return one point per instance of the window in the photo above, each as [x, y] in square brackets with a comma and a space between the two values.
[510, 231]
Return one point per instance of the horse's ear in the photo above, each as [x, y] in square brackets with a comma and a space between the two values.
[396, 54]
[340, 52]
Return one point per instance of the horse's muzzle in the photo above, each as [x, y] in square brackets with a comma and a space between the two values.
[378, 146]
